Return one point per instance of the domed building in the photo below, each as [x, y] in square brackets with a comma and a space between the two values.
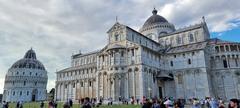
[156, 26]
[26, 80]
[156, 61]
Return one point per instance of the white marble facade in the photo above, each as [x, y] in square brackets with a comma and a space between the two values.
[26, 80]
[159, 60]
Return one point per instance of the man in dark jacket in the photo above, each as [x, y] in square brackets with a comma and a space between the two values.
[87, 103]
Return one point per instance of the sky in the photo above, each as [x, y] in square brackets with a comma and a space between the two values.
[56, 29]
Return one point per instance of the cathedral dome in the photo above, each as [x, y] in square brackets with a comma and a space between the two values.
[154, 19]
[156, 26]
[29, 61]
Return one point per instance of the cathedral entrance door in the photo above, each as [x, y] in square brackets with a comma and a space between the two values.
[34, 94]
[160, 92]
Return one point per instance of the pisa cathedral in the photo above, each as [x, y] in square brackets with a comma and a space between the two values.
[156, 61]
[26, 80]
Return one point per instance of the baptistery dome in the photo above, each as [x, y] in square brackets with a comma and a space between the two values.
[26, 80]
[29, 61]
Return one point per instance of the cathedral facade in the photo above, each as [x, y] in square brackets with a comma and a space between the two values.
[156, 61]
[26, 80]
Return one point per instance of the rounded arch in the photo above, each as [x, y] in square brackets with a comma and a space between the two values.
[136, 69]
[162, 33]
[223, 57]
[130, 70]
[105, 73]
[145, 69]
[150, 70]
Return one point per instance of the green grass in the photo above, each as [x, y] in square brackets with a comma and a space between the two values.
[60, 105]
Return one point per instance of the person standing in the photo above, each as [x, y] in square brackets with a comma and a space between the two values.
[66, 105]
[214, 103]
[70, 103]
[168, 103]
[196, 103]
[86, 103]
[234, 103]
[42, 104]
[21, 104]
[156, 104]
[18, 105]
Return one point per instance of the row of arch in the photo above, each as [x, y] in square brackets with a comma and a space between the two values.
[158, 26]
[227, 48]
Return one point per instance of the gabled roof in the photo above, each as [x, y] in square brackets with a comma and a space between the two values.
[116, 24]
[185, 29]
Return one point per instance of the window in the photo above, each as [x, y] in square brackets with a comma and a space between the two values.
[30, 73]
[24, 83]
[90, 83]
[227, 48]
[73, 85]
[175, 56]
[81, 84]
[179, 41]
[190, 37]
[13, 93]
[132, 52]
[122, 53]
[36, 74]
[27, 92]
[171, 63]
[132, 37]
[217, 49]
[193, 53]
[116, 37]
[23, 73]
[180, 79]
[20, 93]
[236, 62]
[225, 64]
[35, 83]
[189, 61]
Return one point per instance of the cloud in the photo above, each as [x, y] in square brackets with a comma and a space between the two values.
[218, 13]
[57, 28]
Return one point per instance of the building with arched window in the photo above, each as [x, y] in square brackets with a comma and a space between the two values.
[156, 61]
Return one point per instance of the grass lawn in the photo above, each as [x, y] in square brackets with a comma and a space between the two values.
[60, 105]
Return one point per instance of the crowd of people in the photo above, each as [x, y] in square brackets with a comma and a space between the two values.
[144, 103]
[191, 103]
[161, 103]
